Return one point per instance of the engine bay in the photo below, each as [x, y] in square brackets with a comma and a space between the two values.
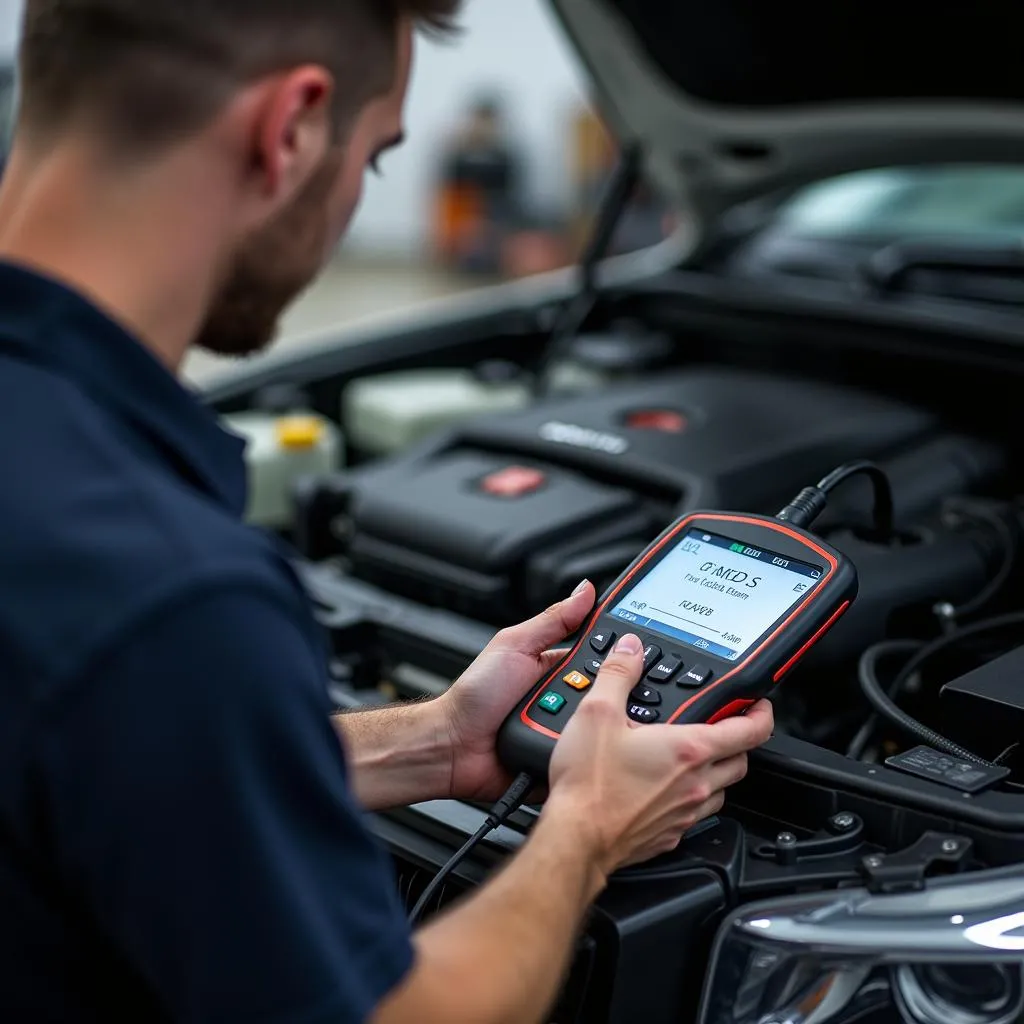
[469, 497]
[489, 520]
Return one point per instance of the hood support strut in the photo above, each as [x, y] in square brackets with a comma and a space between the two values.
[613, 205]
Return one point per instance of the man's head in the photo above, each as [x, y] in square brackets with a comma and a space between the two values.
[294, 99]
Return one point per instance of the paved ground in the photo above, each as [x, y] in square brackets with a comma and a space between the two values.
[346, 293]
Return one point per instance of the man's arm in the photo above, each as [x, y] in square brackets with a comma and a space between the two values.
[397, 755]
[619, 795]
[501, 955]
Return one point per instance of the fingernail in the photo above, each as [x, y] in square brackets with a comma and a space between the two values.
[629, 644]
[580, 587]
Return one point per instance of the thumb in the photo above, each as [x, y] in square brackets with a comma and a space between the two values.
[621, 671]
[551, 627]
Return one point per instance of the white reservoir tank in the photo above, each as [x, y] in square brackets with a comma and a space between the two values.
[281, 448]
[384, 414]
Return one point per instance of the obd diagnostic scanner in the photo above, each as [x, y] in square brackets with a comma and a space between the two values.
[726, 603]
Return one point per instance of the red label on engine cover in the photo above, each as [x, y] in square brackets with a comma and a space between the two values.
[666, 421]
[512, 482]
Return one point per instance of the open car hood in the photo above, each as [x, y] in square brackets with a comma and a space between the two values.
[732, 99]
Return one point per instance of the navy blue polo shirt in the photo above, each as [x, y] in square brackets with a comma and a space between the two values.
[177, 839]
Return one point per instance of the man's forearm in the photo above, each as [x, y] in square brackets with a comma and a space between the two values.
[398, 755]
[501, 956]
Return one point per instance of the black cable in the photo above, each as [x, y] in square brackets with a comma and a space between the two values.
[937, 646]
[863, 735]
[811, 501]
[888, 709]
[949, 613]
[883, 510]
[510, 802]
[923, 654]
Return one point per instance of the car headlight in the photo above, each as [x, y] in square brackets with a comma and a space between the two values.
[950, 954]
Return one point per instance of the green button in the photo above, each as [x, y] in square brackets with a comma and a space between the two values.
[552, 702]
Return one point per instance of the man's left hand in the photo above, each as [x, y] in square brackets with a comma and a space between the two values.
[481, 698]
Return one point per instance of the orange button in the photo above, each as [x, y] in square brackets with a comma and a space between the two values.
[577, 680]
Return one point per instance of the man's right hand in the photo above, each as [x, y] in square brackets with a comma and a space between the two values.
[619, 793]
[633, 790]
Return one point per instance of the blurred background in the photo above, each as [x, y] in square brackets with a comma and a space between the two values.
[503, 166]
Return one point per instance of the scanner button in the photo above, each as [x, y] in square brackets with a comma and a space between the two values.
[577, 680]
[600, 642]
[593, 666]
[640, 713]
[664, 670]
[645, 695]
[551, 702]
[699, 675]
[652, 652]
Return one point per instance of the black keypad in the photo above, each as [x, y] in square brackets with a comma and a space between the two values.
[652, 652]
[600, 642]
[593, 666]
[642, 713]
[645, 695]
[664, 670]
[697, 675]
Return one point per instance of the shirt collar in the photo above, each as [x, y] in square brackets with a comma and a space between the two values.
[59, 327]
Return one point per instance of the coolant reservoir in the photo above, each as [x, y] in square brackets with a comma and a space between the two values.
[387, 413]
[280, 448]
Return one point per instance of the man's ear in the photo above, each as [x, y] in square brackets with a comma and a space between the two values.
[293, 133]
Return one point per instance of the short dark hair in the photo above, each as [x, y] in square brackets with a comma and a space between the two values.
[145, 72]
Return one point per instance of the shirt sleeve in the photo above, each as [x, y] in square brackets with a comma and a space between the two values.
[199, 807]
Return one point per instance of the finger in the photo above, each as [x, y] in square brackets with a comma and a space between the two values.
[733, 735]
[708, 809]
[553, 625]
[728, 772]
[549, 659]
[620, 672]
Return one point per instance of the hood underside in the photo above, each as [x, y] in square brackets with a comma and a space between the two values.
[733, 99]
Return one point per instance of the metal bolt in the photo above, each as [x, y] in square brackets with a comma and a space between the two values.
[950, 845]
[874, 861]
[785, 839]
[843, 820]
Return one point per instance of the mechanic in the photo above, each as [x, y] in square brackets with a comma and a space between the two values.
[181, 831]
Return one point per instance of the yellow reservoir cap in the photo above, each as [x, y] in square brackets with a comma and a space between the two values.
[299, 432]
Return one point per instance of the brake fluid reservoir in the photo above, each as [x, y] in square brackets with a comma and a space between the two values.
[387, 413]
[280, 448]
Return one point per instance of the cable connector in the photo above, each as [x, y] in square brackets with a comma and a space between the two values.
[811, 501]
[511, 800]
[805, 507]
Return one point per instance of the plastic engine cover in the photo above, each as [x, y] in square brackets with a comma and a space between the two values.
[497, 517]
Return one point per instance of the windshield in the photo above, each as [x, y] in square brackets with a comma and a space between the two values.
[949, 232]
[894, 204]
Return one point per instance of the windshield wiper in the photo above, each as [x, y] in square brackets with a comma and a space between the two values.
[981, 272]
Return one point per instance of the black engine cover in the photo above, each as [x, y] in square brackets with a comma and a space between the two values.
[500, 516]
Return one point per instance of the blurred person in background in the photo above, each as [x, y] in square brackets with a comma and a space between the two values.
[483, 223]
